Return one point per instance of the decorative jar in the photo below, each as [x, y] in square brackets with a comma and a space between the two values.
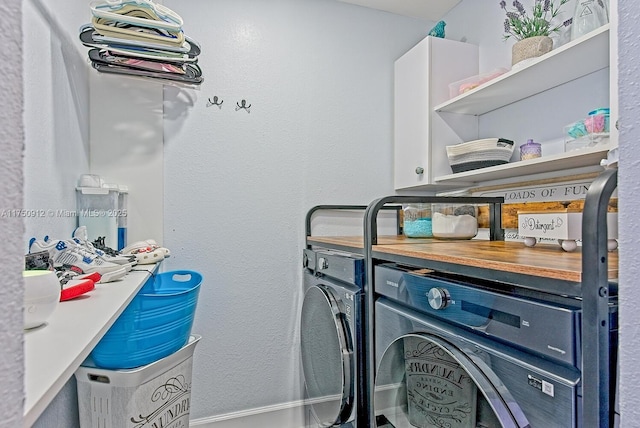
[454, 221]
[530, 150]
[417, 220]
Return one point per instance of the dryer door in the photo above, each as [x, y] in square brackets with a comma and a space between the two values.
[327, 356]
[425, 381]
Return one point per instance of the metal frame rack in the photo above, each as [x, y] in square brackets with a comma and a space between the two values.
[599, 349]
[593, 289]
[364, 387]
[371, 239]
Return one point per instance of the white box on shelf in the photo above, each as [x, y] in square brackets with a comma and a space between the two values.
[470, 83]
[157, 394]
[562, 225]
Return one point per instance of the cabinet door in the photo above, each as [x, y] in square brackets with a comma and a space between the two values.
[411, 117]
[421, 81]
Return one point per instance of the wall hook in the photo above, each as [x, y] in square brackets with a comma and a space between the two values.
[243, 105]
[214, 102]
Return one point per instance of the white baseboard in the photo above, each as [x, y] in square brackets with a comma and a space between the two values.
[286, 415]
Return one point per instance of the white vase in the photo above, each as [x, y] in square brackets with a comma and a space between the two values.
[589, 15]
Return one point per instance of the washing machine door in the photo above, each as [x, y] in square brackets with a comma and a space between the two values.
[327, 356]
[425, 381]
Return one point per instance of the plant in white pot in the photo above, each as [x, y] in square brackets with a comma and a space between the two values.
[532, 30]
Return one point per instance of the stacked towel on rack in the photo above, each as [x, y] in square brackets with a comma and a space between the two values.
[140, 38]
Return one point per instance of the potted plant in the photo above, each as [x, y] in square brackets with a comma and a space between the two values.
[532, 30]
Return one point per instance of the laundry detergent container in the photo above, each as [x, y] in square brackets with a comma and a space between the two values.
[156, 323]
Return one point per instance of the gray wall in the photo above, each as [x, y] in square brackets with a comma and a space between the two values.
[319, 77]
[628, 185]
[56, 97]
[11, 228]
[56, 127]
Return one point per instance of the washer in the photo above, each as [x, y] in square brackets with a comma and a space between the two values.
[459, 353]
[332, 335]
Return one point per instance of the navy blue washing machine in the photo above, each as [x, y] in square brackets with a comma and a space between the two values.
[454, 351]
[332, 337]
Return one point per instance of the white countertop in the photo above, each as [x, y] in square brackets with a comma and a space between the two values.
[54, 351]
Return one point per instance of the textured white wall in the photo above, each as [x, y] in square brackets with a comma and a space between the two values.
[628, 185]
[56, 121]
[319, 77]
[11, 228]
[56, 113]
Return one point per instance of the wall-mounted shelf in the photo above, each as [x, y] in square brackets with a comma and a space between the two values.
[589, 157]
[54, 352]
[570, 61]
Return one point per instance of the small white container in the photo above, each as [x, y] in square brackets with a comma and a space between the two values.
[454, 221]
[158, 394]
[41, 296]
[470, 83]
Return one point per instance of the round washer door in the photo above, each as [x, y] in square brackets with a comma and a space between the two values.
[425, 381]
[327, 357]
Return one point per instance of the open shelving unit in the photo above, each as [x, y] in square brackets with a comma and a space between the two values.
[588, 157]
[578, 58]
[564, 64]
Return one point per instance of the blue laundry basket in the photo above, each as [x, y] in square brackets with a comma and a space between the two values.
[156, 323]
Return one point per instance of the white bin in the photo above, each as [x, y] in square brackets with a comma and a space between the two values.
[157, 394]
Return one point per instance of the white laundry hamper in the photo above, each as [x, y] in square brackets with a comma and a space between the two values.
[158, 394]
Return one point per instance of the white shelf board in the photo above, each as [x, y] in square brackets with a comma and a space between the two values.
[570, 61]
[589, 157]
[54, 351]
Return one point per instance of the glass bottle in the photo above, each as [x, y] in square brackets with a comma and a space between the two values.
[589, 15]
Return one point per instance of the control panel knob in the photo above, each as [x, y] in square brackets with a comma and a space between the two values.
[439, 298]
[305, 260]
[323, 263]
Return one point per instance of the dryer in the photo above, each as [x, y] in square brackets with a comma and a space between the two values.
[332, 337]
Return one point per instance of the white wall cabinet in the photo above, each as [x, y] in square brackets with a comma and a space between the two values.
[421, 81]
[419, 142]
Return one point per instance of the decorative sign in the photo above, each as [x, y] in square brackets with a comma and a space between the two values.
[570, 192]
[440, 393]
[553, 192]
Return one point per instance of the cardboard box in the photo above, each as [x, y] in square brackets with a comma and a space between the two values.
[157, 394]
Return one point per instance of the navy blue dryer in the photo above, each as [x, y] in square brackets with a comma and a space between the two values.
[332, 337]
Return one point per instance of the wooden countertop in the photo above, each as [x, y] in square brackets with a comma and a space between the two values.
[547, 261]
[543, 260]
[357, 242]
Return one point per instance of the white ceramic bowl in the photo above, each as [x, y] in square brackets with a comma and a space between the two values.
[41, 296]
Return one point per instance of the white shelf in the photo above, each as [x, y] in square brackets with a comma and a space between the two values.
[589, 157]
[570, 61]
[54, 351]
